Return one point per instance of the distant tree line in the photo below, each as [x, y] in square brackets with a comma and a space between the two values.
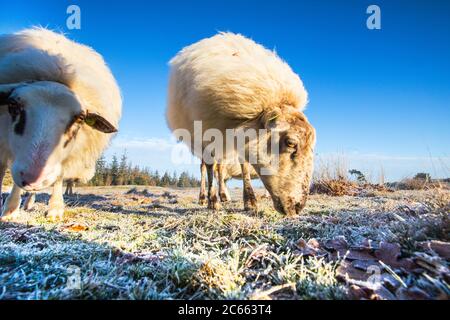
[122, 172]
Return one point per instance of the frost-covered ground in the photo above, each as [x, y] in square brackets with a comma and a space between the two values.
[154, 243]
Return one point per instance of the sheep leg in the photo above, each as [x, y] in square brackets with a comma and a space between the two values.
[223, 190]
[69, 188]
[213, 201]
[11, 209]
[29, 202]
[266, 195]
[56, 202]
[2, 176]
[249, 195]
[202, 196]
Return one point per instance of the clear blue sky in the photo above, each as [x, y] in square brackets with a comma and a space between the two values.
[380, 97]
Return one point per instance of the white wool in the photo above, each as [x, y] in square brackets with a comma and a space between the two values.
[39, 54]
[228, 79]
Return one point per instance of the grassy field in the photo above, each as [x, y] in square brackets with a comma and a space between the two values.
[155, 243]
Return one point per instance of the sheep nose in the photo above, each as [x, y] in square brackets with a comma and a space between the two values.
[299, 206]
[30, 179]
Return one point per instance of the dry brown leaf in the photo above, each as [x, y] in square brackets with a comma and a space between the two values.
[75, 227]
[364, 265]
[359, 254]
[381, 293]
[314, 243]
[336, 244]
[340, 246]
[440, 247]
[310, 248]
[413, 293]
[433, 264]
[359, 293]
[389, 253]
[368, 244]
[346, 271]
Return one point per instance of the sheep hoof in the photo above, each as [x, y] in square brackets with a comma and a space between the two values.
[56, 213]
[214, 205]
[225, 197]
[29, 204]
[28, 207]
[251, 206]
[202, 200]
[10, 215]
[251, 209]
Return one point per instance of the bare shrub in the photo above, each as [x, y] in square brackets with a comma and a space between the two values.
[332, 177]
[422, 181]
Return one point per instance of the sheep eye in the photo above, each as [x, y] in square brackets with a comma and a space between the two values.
[14, 109]
[291, 143]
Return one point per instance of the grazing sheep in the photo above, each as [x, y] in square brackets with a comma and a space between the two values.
[223, 173]
[59, 102]
[230, 82]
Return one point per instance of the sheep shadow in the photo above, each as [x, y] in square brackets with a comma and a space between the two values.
[134, 202]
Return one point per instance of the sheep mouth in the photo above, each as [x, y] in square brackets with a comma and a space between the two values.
[35, 188]
[278, 205]
[288, 208]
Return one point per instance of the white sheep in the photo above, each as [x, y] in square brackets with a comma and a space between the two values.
[59, 102]
[230, 82]
[223, 173]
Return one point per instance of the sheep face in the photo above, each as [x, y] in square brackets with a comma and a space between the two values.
[45, 118]
[288, 182]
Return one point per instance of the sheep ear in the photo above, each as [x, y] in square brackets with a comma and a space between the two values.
[99, 123]
[271, 121]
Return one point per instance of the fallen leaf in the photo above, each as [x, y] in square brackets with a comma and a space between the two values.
[433, 264]
[381, 293]
[314, 243]
[439, 247]
[336, 244]
[389, 282]
[413, 293]
[346, 271]
[310, 248]
[359, 293]
[365, 264]
[358, 254]
[75, 227]
[355, 253]
[389, 253]
[368, 244]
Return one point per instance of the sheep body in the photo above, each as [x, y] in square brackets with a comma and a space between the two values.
[39, 54]
[234, 171]
[230, 82]
[227, 80]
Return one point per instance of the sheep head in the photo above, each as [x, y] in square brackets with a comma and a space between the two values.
[288, 177]
[45, 120]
